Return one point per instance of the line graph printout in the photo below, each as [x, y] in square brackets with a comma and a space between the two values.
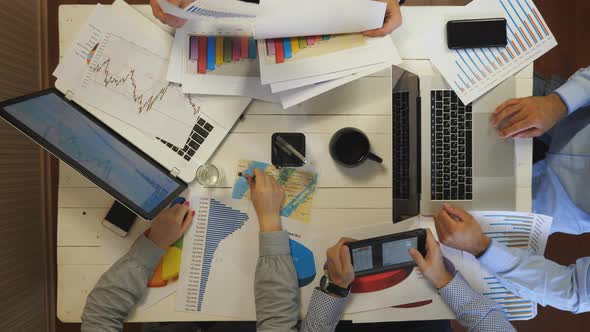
[516, 231]
[123, 75]
[473, 72]
[126, 81]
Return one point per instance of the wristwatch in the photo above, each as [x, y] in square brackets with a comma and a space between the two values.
[330, 288]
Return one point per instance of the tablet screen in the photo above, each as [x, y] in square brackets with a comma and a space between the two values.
[96, 151]
[396, 252]
[362, 258]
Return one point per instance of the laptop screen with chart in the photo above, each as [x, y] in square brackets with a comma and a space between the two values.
[80, 140]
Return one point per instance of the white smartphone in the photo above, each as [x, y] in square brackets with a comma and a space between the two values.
[119, 219]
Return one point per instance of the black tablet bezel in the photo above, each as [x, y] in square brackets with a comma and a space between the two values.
[376, 245]
[148, 215]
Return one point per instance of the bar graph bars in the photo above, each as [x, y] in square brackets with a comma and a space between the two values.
[472, 72]
[283, 49]
[516, 231]
[514, 307]
[212, 52]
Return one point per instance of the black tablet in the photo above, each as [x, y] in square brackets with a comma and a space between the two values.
[96, 151]
[386, 253]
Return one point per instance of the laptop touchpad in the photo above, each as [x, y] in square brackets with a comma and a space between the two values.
[492, 156]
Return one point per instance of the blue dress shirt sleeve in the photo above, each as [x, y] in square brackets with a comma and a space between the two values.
[473, 310]
[324, 312]
[575, 93]
[533, 277]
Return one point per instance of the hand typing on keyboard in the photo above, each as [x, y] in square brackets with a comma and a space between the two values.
[528, 117]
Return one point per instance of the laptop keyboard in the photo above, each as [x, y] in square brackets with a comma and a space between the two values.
[451, 153]
[401, 145]
[200, 132]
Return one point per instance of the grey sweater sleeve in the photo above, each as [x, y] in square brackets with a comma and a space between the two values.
[121, 287]
[276, 288]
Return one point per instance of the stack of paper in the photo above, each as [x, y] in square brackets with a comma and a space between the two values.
[262, 57]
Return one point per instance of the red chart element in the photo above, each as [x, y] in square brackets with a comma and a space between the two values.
[379, 281]
[413, 305]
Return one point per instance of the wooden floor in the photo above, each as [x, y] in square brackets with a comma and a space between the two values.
[567, 21]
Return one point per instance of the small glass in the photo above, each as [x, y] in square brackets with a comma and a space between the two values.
[208, 175]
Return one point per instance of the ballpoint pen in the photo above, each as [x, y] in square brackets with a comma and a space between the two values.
[246, 176]
[284, 145]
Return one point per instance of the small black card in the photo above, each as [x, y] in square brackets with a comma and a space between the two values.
[281, 156]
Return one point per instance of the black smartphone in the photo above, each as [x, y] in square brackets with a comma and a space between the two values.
[119, 219]
[386, 253]
[282, 155]
[490, 32]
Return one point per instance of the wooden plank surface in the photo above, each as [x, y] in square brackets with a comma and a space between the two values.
[345, 197]
[86, 249]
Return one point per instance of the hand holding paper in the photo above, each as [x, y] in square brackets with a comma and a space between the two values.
[171, 20]
[458, 229]
[393, 20]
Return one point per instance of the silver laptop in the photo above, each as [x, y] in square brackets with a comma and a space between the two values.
[446, 151]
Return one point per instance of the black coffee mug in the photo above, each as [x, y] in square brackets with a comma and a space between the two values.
[350, 147]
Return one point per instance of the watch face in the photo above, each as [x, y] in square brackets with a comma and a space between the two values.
[324, 283]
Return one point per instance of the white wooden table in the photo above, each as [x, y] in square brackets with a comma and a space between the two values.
[345, 197]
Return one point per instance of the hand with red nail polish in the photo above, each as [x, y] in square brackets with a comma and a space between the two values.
[171, 224]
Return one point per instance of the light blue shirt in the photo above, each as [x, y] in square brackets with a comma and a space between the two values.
[535, 278]
[560, 182]
[576, 91]
[560, 190]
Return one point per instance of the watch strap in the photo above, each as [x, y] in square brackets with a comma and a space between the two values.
[337, 290]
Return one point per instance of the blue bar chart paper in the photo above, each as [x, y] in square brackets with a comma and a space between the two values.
[473, 72]
[517, 231]
[220, 255]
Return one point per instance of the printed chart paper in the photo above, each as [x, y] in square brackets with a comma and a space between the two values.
[299, 186]
[123, 74]
[211, 9]
[515, 230]
[164, 279]
[282, 61]
[219, 257]
[473, 72]
[279, 18]
[217, 65]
